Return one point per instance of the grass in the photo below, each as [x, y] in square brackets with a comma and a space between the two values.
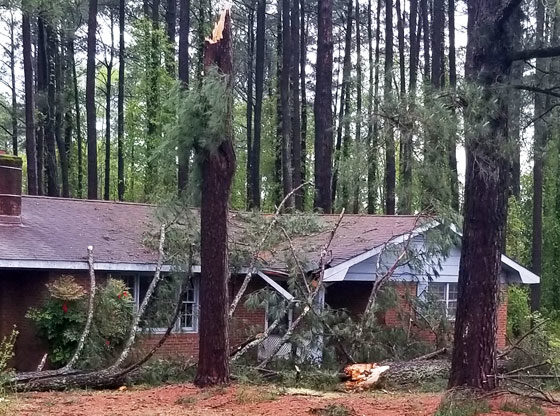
[462, 403]
[333, 410]
[250, 395]
[517, 407]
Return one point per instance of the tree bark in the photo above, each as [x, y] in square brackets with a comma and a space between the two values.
[358, 143]
[485, 206]
[295, 106]
[452, 150]
[255, 154]
[66, 97]
[78, 120]
[184, 29]
[303, 86]
[323, 108]
[50, 125]
[41, 102]
[152, 105]
[287, 168]
[171, 26]
[390, 173]
[425, 11]
[120, 105]
[90, 101]
[108, 88]
[250, 103]
[13, 86]
[343, 130]
[438, 44]
[539, 145]
[30, 143]
[218, 168]
[373, 107]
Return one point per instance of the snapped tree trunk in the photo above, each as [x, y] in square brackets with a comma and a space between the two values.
[217, 171]
[323, 108]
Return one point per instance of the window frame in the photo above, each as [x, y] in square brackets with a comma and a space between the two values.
[446, 300]
[178, 328]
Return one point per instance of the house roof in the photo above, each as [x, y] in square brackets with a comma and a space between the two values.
[54, 234]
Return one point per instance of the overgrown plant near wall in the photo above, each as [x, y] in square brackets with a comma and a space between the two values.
[61, 319]
[6, 354]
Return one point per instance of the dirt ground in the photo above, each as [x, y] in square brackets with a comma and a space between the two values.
[237, 400]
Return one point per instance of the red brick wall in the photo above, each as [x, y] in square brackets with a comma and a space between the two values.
[20, 290]
[353, 296]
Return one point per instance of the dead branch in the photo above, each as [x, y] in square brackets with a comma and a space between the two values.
[528, 367]
[85, 333]
[517, 343]
[431, 355]
[541, 394]
[310, 298]
[251, 269]
[142, 309]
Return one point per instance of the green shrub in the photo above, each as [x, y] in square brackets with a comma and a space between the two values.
[163, 371]
[519, 314]
[462, 403]
[62, 318]
[6, 354]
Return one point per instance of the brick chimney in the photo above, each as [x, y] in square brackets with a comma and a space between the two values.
[10, 189]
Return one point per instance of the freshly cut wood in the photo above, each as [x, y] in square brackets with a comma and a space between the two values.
[391, 374]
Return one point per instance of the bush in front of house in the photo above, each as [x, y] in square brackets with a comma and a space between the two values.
[7, 345]
[61, 319]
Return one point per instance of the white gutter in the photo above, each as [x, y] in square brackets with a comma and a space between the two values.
[287, 295]
[338, 272]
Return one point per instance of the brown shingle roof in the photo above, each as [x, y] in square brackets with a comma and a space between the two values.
[61, 229]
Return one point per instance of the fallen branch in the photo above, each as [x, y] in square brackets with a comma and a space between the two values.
[431, 355]
[85, 333]
[251, 269]
[311, 297]
[517, 344]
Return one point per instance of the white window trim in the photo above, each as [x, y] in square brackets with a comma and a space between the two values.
[177, 328]
[446, 299]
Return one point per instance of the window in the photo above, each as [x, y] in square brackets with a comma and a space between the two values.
[189, 311]
[160, 309]
[446, 294]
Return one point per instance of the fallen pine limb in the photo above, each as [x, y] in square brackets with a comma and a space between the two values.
[431, 355]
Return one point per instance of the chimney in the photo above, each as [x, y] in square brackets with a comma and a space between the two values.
[10, 189]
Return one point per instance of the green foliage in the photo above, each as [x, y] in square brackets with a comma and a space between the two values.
[7, 346]
[462, 403]
[165, 371]
[519, 319]
[335, 409]
[520, 408]
[60, 323]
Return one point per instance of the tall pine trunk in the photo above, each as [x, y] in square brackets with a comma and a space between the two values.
[78, 117]
[13, 86]
[358, 148]
[50, 124]
[322, 108]
[90, 101]
[287, 179]
[30, 144]
[184, 29]
[255, 154]
[343, 130]
[217, 168]
[295, 105]
[303, 86]
[250, 103]
[452, 150]
[171, 28]
[539, 145]
[390, 170]
[120, 105]
[108, 88]
[486, 191]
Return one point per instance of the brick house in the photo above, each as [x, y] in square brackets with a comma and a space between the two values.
[43, 237]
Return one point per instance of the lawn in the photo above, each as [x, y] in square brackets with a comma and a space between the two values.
[185, 399]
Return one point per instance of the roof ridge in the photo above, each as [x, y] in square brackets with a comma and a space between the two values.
[95, 201]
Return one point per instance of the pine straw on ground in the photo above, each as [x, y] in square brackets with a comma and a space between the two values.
[235, 400]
